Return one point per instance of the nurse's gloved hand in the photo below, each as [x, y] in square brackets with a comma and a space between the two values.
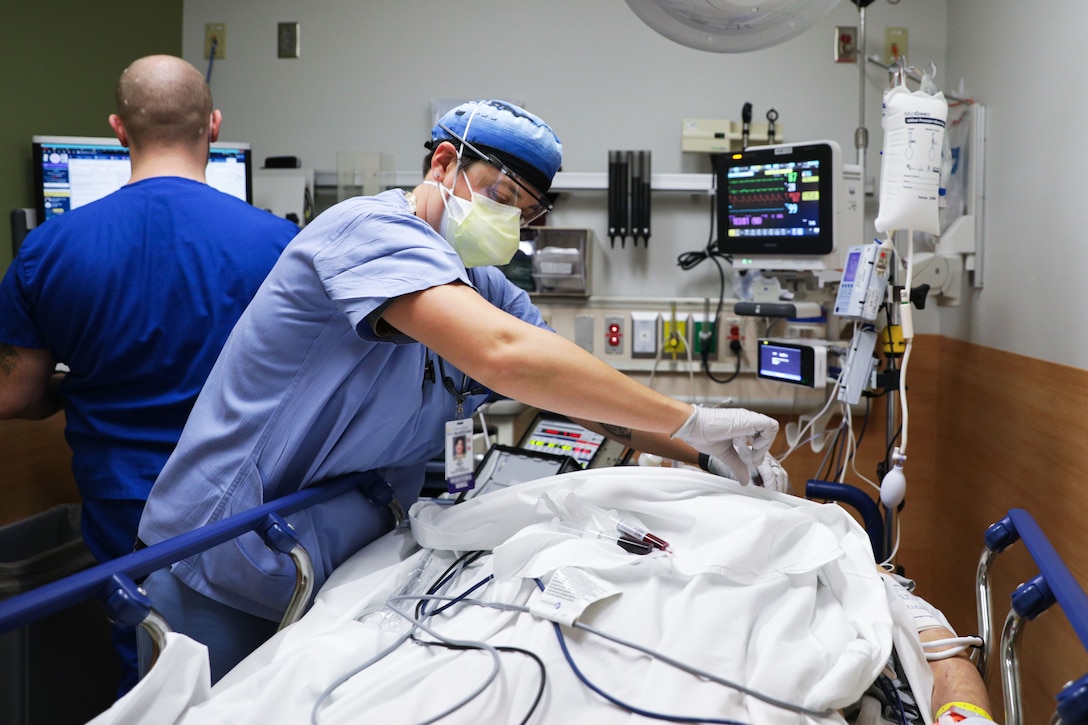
[714, 430]
[771, 473]
[718, 467]
[773, 476]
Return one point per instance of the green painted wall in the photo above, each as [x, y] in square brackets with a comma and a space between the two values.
[59, 63]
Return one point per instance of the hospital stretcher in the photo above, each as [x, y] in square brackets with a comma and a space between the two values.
[113, 583]
[681, 603]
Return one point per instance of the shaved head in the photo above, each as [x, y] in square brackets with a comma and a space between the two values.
[163, 100]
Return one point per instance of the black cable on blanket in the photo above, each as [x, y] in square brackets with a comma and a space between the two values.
[462, 561]
[660, 716]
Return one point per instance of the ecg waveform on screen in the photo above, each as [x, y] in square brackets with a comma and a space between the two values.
[772, 198]
[762, 193]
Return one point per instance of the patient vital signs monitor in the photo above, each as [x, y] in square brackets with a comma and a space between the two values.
[788, 206]
[70, 171]
[551, 433]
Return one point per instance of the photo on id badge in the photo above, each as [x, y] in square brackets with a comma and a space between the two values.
[459, 459]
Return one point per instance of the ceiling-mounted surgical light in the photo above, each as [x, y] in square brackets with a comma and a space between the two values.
[730, 26]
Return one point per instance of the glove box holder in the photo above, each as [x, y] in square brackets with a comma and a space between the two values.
[553, 262]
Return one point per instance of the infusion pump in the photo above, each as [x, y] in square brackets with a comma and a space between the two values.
[864, 278]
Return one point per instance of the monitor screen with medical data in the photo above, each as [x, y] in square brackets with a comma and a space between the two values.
[564, 437]
[776, 200]
[71, 171]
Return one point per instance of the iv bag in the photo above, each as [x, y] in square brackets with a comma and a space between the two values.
[910, 174]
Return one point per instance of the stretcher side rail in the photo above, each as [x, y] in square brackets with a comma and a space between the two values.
[112, 581]
[1053, 585]
[866, 506]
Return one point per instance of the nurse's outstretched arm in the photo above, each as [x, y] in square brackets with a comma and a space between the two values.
[544, 370]
[529, 364]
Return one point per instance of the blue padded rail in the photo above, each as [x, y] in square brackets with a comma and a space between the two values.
[30, 606]
[1054, 583]
[1070, 595]
[867, 507]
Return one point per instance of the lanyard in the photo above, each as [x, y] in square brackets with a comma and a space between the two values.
[468, 386]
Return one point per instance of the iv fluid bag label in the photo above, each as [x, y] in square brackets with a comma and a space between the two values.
[910, 174]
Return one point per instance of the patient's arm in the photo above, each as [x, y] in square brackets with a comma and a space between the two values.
[955, 679]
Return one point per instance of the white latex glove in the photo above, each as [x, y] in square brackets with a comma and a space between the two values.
[771, 473]
[717, 466]
[719, 432]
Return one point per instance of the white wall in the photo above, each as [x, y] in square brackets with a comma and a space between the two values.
[1019, 59]
[593, 70]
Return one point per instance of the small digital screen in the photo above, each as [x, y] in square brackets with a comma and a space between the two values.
[71, 172]
[781, 362]
[563, 437]
[850, 270]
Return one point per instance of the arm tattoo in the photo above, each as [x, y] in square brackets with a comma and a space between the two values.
[616, 432]
[9, 358]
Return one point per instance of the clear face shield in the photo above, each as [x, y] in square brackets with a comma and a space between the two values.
[508, 188]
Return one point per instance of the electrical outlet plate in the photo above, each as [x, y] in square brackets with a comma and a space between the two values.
[287, 40]
[644, 334]
[700, 324]
[583, 332]
[613, 330]
[678, 344]
[215, 32]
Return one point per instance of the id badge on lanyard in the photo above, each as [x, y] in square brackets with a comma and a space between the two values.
[459, 458]
[460, 463]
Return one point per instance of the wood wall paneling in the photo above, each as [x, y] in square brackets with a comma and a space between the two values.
[1012, 433]
[37, 468]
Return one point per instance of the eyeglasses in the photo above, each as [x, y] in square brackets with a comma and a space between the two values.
[500, 192]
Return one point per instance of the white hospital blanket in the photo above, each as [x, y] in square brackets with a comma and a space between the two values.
[772, 591]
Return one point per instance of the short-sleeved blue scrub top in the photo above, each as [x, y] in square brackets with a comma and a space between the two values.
[306, 390]
[136, 293]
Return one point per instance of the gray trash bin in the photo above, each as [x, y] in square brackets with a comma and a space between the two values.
[62, 668]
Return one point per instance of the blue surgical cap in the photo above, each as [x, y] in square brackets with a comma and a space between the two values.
[521, 140]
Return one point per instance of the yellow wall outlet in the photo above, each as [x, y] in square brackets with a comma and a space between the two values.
[674, 337]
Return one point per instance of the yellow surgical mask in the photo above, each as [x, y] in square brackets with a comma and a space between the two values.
[482, 231]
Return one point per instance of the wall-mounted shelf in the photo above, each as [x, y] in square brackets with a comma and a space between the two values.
[589, 181]
[563, 181]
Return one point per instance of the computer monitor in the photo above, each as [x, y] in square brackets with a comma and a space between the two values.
[787, 206]
[71, 171]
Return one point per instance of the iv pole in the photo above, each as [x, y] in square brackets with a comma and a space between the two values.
[861, 145]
